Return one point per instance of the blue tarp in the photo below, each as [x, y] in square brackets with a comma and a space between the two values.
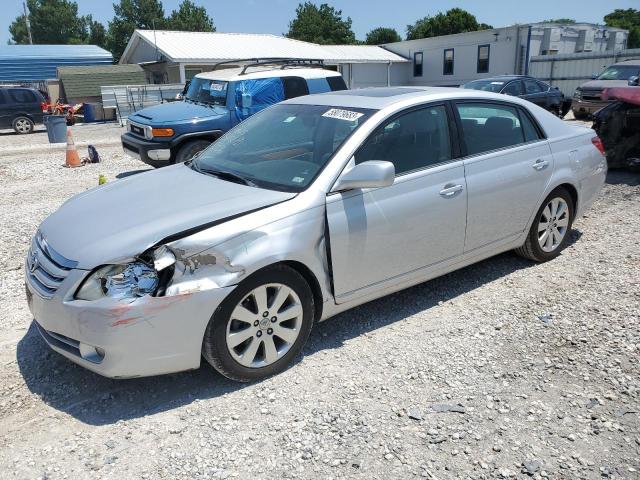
[264, 92]
[39, 62]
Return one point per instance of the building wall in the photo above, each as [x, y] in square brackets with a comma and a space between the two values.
[550, 39]
[504, 44]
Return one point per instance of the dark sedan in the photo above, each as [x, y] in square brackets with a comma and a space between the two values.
[540, 93]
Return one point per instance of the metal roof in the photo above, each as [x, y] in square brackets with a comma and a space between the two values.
[39, 62]
[207, 47]
[360, 54]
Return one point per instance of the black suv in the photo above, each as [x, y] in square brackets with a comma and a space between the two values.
[20, 108]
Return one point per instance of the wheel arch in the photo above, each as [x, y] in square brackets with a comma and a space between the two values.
[211, 136]
[573, 191]
[313, 283]
[309, 277]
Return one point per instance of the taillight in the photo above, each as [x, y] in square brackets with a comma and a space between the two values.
[599, 145]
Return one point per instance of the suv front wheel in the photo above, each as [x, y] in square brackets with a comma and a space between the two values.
[189, 149]
[23, 125]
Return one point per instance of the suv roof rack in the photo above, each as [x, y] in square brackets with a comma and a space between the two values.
[283, 62]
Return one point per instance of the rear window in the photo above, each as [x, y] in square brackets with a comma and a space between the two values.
[336, 83]
[294, 87]
[22, 95]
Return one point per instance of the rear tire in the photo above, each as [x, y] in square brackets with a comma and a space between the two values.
[261, 326]
[551, 228]
[189, 149]
[23, 125]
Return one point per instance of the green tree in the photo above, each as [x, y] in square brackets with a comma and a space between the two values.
[52, 22]
[323, 24]
[190, 18]
[560, 20]
[129, 15]
[381, 35]
[628, 19]
[455, 20]
[94, 32]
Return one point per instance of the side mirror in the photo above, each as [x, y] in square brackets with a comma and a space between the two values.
[634, 81]
[371, 174]
[246, 101]
[594, 76]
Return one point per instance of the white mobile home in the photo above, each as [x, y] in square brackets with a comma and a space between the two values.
[452, 60]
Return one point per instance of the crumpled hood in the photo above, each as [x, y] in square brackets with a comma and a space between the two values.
[176, 112]
[600, 84]
[124, 218]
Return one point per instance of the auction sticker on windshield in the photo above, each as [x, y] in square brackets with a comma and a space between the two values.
[342, 114]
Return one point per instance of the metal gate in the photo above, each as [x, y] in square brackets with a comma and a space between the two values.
[569, 71]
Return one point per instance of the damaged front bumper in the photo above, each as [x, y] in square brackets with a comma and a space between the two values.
[123, 338]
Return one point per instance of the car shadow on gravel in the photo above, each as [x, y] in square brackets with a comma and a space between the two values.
[96, 400]
[624, 177]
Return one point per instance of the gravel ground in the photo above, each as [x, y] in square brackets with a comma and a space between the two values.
[503, 369]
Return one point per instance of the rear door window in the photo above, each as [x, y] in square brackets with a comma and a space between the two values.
[294, 87]
[531, 87]
[513, 88]
[336, 83]
[531, 133]
[22, 95]
[318, 85]
[487, 127]
[410, 141]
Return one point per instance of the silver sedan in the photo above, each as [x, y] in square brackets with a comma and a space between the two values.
[307, 209]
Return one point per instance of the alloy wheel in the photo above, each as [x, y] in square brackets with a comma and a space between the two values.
[264, 325]
[23, 125]
[553, 224]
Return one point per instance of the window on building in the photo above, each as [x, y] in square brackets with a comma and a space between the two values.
[417, 64]
[411, 141]
[189, 73]
[483, 58]
[447, 66]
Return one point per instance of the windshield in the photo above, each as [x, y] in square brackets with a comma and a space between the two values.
[209, 92]
[284, 147]
[486, 85]
[620, 72]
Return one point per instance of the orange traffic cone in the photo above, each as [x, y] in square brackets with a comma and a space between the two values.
[73, 159]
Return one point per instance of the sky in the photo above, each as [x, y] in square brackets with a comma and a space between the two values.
[273, 16]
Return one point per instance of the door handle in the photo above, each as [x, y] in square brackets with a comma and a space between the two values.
[450, 190]
[540, 164]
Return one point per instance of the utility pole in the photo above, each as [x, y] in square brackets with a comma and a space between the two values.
[26, 18]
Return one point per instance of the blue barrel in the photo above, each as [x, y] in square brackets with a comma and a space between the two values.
[89, 112]
[56, 126]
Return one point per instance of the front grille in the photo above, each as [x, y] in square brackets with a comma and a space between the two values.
[136, 129]
[46, 268]
[592, 95]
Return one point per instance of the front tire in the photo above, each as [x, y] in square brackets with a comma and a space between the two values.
[23, 125]
[261, 326]
[189, 149]
[550, 230]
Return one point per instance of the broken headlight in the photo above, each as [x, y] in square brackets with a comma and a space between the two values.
[131, 280]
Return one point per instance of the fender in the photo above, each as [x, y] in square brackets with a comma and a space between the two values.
[206, 135]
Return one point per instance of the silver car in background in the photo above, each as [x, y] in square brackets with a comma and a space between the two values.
[307, 209]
